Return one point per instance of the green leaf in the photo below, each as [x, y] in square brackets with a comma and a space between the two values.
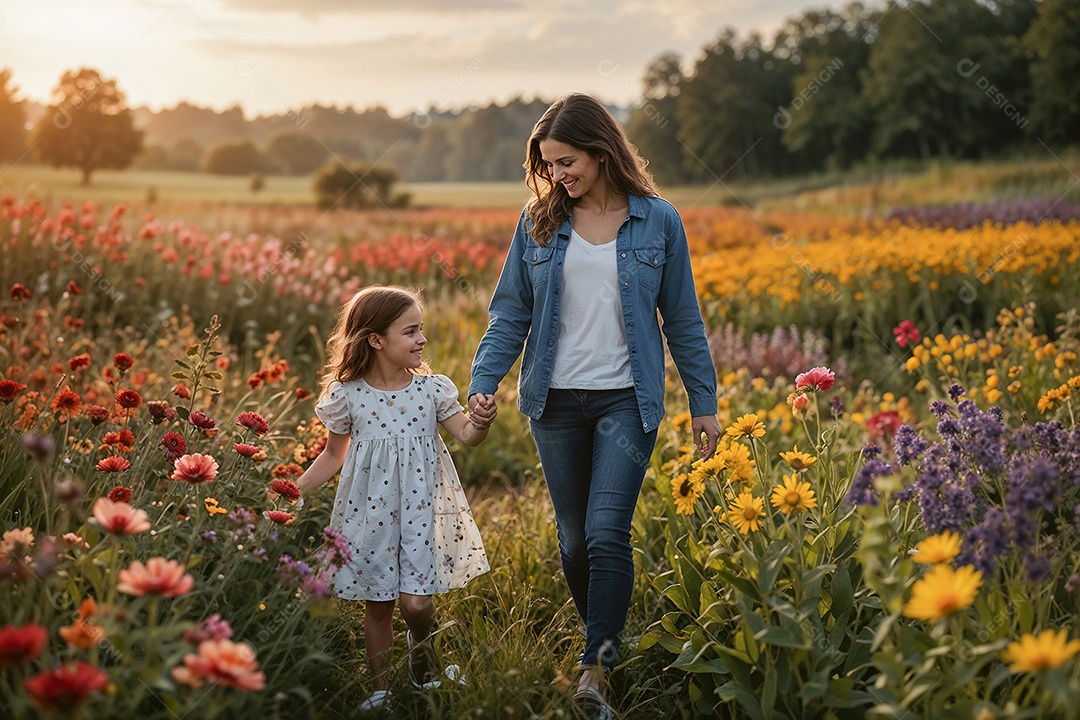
[780, 637]
[746, 699]
[843, 595]
[768, 692]
[183, 412]
[182, 364]
[772, 563]
[677, 595]
[180, 375]
[193, 351]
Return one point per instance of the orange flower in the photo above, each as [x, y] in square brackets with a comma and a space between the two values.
[119, 518]
[79, 362]
[67, 403]
[222, 662]
[158, 577]
[180, 390]
[113, 463]
[195, 468]
[83, 634]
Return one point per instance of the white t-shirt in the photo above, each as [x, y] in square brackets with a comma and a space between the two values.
[591, 353]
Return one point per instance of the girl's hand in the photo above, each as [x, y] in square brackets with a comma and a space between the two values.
[482, 411]
[707, 425]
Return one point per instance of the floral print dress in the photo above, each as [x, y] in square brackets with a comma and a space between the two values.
[399, 503]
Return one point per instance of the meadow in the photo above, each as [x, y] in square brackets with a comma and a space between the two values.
[889, 529]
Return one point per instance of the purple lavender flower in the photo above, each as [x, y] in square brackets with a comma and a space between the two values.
[836, 406]
[955, 391]
[209, 536]
[862, 485]
[940, 408]
[908, 445]
[985, 543]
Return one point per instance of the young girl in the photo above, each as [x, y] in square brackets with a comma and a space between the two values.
[399, 502]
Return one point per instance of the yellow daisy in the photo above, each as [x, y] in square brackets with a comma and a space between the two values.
[943, 591]
[798, 460]
[936, 549]
[704, 470]
[748, 426]
[736, 459]
[1048, 650]
[746, 513]
[793, 495]
[686, 490]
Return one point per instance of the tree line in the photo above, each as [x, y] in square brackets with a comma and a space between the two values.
[829, 90]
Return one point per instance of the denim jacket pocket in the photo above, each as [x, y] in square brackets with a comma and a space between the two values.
[536, 259]
[650, 266]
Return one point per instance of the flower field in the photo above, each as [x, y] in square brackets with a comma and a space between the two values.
[887, 530]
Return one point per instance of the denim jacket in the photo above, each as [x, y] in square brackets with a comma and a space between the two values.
[653, 261]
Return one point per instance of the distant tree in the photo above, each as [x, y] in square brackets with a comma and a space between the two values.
[12, 120]
[186, 155]
[87, 126]
[237, 157]
[428, 162]
[295, 153]
[1054, 38]
[653, 125]
[257, 182]
[357, 185]
[153, 157]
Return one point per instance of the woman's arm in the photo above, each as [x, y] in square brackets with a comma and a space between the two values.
[510, 317]
[327, 464]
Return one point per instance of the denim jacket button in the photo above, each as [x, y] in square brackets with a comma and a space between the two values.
[550, 343]
[626, 284]
[624, 254]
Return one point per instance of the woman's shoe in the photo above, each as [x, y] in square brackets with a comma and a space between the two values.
[589, 704]
[378, 699]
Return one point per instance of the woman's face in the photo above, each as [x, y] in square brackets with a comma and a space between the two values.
[576, 170]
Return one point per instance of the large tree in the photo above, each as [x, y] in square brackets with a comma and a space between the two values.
[653, 126]
[88, 125]
[1055, 40]
[12, 119]
[295, 153]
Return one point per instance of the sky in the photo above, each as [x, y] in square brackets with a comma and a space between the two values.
[277, 56]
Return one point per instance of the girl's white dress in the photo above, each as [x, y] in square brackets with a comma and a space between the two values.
[399, 503]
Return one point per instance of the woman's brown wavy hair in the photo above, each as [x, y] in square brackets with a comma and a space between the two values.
[580, 121]
[374, 309]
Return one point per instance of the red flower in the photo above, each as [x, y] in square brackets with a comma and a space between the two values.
[114, 463]
[73, 288]
[195, 468]
[173, 446]
[20, 292]
[123, 440]
[255, 381]
[79, 362]
[819, 378]
[67, 404]
[884, 424]
[286, 489]
[201, 420]
[120, 494]
[245, 449]
[128, 399]
[180, 390]
[160, 410]
[287, 471]
[302, 394]
[906, 333]
[123, 361]
[9, 390]
[280, 517]
[65, 687]
[97, 414]
[21, 644]
[254, 422]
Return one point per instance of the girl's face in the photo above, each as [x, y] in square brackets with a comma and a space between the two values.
[576, 170]
[403, 343]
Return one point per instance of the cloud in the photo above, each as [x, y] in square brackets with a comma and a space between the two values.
[351, 7]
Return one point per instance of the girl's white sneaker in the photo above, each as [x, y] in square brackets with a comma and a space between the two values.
[378, 699]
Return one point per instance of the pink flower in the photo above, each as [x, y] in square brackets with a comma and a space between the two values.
[119, 518]
[158, 577]
[113, 463]
[245, 449]
[906, 333]
[286, 489]
[195, 468]
[819, 378]
[222, 662]
[280, 517]
[201, 420]
[254, 422]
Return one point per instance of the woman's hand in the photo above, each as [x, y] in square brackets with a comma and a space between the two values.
[708, 426]
[482, 410]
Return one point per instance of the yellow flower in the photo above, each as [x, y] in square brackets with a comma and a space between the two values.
[746, 512]
[686, 490]
[748, 426]
[793, 495]
[681, 421]
[736, 460]
[943, 591]
[213, 508]
[1046, 651]
[798, 460]
[936, 549]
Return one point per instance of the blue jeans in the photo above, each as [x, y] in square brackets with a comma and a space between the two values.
[594, 453]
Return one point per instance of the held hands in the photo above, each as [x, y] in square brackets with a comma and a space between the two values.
[708, 426]
[482, 411]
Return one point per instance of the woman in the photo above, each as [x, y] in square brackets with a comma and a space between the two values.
[595, 255]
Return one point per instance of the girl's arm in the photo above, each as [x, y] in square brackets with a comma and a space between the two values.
[463, 430]
[327, 464]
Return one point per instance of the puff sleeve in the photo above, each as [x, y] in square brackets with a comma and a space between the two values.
[446, 397]
[333, 409]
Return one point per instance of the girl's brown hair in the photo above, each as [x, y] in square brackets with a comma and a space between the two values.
[580, 121]
[372, 310]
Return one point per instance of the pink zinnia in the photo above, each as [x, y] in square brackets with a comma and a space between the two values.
[119, 518]
[819, 378]
[158, 577]
[201, 420]
[906, 333]
[195, 468]
[286, 489]
[221, 662]
[280, 517]
[253, 421]
[245, 449]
